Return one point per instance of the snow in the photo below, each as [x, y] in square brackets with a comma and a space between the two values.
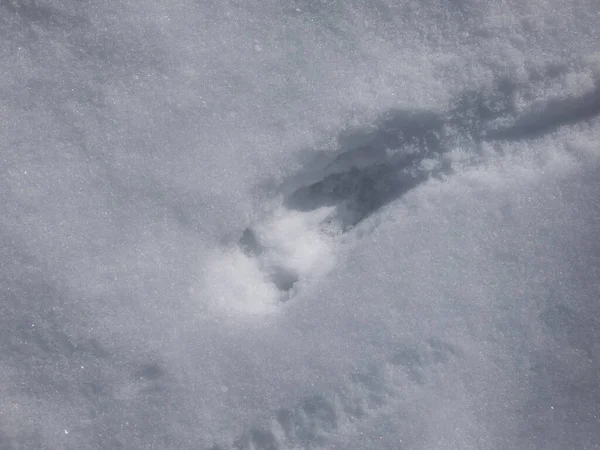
[284, 224]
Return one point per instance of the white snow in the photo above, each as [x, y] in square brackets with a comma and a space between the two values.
[299, 224]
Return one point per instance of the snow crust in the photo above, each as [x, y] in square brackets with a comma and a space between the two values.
[299, 224]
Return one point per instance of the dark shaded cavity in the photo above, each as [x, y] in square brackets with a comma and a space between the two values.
[548, 118]
[404, 148]
[376, 166]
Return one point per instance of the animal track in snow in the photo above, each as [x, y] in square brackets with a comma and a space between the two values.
[365, 395]
[375, 167]
[271, 261]
[300, 240]
[289, 248]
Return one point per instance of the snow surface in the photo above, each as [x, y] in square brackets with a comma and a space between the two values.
[299, 224]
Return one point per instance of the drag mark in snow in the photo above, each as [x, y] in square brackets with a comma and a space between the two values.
[299, 241]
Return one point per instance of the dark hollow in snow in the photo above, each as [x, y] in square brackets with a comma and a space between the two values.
[405, 148]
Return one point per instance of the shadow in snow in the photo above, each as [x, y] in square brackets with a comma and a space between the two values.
[376, 166]
[405, 148]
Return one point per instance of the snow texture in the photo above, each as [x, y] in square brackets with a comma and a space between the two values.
[293, 224]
